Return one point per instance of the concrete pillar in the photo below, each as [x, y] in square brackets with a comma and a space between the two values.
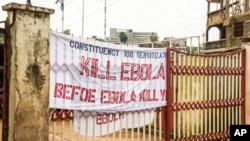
[229, 36]
[28, 72]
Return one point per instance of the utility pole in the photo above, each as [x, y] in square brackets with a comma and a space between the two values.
[105, 12]
[62, 20]
[28, 2]
[82, 18]
[62, 8]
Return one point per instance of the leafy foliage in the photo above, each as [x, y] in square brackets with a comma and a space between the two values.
[154, 38]
[123, 37]
[98, 39]
[67, 32]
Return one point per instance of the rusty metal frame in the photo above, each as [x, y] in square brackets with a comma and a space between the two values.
[214, 108]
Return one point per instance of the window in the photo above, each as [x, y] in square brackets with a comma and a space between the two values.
[238, 29]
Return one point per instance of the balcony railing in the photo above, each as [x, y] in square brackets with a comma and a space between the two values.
[215, 44]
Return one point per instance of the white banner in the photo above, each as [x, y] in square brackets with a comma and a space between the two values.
[91, 123]
[96, 76]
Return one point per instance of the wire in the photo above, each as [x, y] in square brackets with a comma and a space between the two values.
[78, 20]
[75, 11]
[80, 8]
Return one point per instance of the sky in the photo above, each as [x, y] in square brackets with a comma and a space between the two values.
[169, 18]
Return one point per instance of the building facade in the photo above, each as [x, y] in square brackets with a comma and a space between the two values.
[231, 18]
[133, 37]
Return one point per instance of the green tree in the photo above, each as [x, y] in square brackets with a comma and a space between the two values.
[98, 39]
[153, 38]
[123, 37]
[67, 32]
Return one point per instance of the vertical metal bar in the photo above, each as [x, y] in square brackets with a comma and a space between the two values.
[175, 88]
[233, 89]
[206, 96]
[209, 98]
[222, 83]
[63, 126]
[144, 127]
[155, 124]
[236, 57]
[54, 127]
[181, 96]
[126, 129]
[133, 129]
[243, 85]
[161, 123]
[180, 79]
[229, 91]
[228, 94]
[202, 97]
[138, 128]
[168, 114]
[188, 99]
[218, 94]
[213, 96]
[120, 131]
[240, 83]
[193, 112]
[225, 94]
[198, 95]
[108, 125]
[70, 131]
[86, 125]
[149, 126]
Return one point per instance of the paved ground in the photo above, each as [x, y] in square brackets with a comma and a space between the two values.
[70, 135]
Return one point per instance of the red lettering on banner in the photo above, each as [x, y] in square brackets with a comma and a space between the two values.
[67, 91]
[84, 65]
[133, 96]
[105, 118]
[58, 90]
[148, 95]
[129, 71]
[163, 94]
[87, 95]
[161, 73]
[140, 72]
[113, 97]
[89, 67]
[94, 67]
[107, 75]
[92, 71]
[124, 71]
[63, 91]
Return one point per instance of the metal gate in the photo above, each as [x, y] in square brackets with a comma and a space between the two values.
[61, 128]
[206, 94]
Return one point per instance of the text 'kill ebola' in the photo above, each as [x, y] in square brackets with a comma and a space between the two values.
[128, 71]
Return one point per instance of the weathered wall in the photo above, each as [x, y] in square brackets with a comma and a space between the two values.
[232, 41]
[28, 55]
